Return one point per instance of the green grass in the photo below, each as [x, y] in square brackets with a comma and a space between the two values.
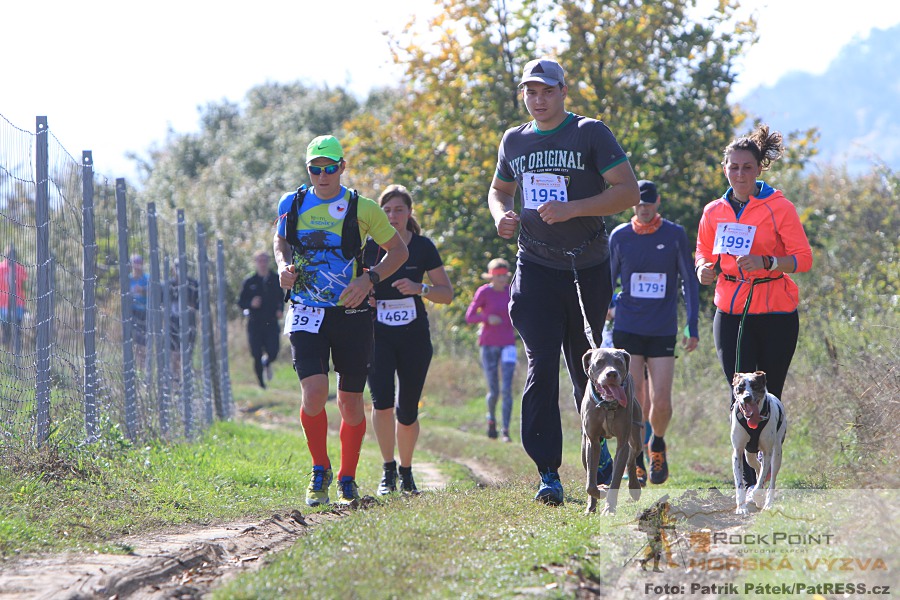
[435, 545]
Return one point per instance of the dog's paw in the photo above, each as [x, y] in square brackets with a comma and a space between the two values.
[742, 510]
[608, 510]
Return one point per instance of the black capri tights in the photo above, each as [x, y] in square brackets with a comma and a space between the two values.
[406, 351]
[767, 344]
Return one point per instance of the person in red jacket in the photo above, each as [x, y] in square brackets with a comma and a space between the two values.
[748, 242]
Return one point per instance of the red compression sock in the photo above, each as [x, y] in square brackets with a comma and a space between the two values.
[351, 444]
[316, 430]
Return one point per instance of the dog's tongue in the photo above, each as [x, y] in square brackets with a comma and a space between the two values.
[615, 391]
[751, 412]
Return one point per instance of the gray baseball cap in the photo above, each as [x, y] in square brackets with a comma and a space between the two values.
[543, 70]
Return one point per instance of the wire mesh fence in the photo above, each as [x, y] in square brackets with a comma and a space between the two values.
[111, 316]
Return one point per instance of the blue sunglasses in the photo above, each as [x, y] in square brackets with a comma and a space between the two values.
[329, 169]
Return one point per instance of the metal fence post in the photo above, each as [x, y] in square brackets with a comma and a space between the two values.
[89, 294]
[156, 323]
[126, 301]
[166, 316]
[184, 345]
[227, 407]
[205, 324]
[44, 290]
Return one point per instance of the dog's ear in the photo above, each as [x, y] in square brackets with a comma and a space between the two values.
[760, 379]
[736, 379]
[627, 358]
[586, 362]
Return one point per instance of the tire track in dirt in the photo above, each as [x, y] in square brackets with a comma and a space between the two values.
[179, 564]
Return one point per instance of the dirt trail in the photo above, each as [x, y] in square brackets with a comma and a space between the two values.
[176, 564]
[184, 564]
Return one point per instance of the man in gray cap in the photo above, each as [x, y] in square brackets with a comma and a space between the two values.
[571, 172]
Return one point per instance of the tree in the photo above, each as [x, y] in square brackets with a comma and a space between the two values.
[231, 173]
[658, 78]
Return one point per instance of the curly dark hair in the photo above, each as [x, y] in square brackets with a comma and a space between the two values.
[766, 147]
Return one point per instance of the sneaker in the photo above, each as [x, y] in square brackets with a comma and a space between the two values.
[492, 429]
[407, 483]
[659, 467]
[642, 476]
[317, 492]
[388, 481]
[505, 437]
[605, 466]
[551, 490]
[348, 491]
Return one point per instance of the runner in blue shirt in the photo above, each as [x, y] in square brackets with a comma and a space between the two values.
[649, 254]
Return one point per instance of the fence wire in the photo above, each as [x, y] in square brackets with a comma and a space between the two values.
[107, 309]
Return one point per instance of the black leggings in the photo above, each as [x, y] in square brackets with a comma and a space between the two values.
[767, 344]
[546, 313]
[406, 351]
[263, 339]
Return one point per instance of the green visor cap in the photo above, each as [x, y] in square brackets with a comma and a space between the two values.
[326, 146]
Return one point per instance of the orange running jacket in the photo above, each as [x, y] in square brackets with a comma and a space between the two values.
[778, 233]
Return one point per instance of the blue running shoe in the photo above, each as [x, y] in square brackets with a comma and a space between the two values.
[605, 468]
[551, 490]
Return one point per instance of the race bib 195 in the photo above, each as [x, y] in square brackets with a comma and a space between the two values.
[396, 312]
[734, 238]
[540, 188]
[303, 318]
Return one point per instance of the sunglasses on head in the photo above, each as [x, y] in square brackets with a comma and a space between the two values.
[329, 169]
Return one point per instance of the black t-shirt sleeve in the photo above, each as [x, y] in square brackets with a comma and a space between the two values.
[431, 258]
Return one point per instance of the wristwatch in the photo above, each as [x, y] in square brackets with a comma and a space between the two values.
[425, 289]
[373, 277]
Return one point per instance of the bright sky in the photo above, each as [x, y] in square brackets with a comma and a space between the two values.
[113, 78]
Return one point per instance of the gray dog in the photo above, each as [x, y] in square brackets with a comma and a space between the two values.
[758, 427]
[609, 410]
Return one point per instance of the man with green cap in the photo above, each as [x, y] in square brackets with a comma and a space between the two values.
[318, 255]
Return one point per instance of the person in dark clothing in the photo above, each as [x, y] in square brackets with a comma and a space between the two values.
[569, 172]
[262, 302]
[177, 337]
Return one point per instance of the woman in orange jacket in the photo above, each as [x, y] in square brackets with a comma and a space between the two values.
[748, 241]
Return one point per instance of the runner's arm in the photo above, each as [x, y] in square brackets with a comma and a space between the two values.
[501, 202]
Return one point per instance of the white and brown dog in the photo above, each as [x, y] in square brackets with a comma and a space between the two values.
[608, 410]
[758, 425]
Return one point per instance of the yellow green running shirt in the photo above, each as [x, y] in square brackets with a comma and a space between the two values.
[323, 272]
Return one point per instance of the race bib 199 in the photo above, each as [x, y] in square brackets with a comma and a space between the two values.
[304, 318]
[734, 238]
[648, 285]
[540, 188]
[396, 312]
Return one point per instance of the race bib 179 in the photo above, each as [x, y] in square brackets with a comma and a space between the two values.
[648, 285]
